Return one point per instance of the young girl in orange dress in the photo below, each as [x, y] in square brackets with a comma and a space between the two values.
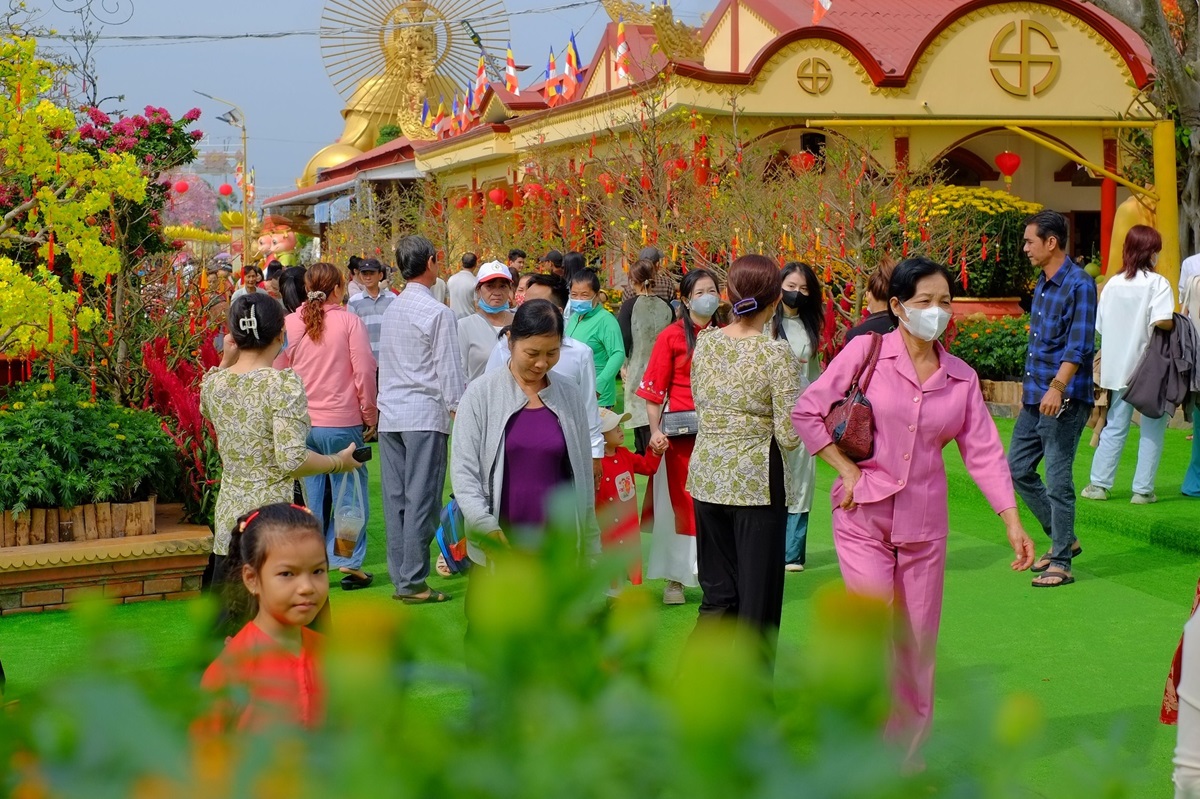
[268, 673]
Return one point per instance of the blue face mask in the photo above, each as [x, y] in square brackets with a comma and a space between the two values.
[284, 347]
[483, 306]
[581, 307]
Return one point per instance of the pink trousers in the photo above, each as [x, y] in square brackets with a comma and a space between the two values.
[908, 576]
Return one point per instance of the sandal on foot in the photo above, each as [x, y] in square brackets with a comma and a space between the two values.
[432, 598]
[1043, 563]
[352, 582]
[1052, 579]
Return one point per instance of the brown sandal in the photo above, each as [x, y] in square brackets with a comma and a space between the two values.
[1052, 578]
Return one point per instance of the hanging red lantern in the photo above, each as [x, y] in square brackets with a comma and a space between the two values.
[532, 191]
[802, 162]
[497, 196]
[1008, 164]
[181, 187]
[461, 202]
[225, 190]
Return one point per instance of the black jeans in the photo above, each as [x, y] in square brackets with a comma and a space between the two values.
[739, 551]
[1056, 440]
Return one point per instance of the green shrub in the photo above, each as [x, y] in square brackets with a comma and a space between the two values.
[59, 448]
[995, 348]
[560, 696]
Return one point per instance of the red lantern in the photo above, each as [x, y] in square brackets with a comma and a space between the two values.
[802, 162]
[497, 196]
[533, 191]
[225, 190]
[461, 202]
[181, 187]
[1008, 163]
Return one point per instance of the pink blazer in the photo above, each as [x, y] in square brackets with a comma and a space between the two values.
[338, 373]
[913, 423]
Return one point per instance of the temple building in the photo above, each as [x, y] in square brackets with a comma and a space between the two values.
[947, 82]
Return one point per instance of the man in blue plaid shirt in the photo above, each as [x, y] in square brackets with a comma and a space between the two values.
[1057, 396]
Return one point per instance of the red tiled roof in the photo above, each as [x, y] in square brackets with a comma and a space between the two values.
[890, 35]
[393, 152]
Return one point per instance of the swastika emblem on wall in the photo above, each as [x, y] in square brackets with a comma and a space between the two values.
[1034, 71]
[815, 76]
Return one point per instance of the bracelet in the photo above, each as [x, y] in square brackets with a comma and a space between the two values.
[1058, 386]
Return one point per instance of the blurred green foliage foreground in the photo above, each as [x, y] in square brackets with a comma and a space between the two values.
[560, 700]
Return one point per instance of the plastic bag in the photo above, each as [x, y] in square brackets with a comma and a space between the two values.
[349, 515]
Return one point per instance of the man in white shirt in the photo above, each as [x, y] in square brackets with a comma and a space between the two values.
[575, 361]
[420, 384]
[1190, 268]
[461, 286]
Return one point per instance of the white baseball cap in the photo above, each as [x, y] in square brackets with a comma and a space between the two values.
[493, 270]
[609, 420]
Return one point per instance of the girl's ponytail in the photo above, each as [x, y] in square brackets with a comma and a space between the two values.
[321, 280]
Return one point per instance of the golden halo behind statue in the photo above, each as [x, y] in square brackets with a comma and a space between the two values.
[365, 44]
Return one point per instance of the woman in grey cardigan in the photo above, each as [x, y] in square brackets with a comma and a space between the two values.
[519, 437]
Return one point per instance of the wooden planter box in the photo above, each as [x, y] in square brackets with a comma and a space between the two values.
[95, 522]
[165, 564]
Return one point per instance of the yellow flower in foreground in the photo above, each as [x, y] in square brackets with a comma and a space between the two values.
[120, 437]
[18, 406]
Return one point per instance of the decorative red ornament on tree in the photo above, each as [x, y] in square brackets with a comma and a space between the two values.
[802, 162]
[225, 190]
[606, 183]
[1008, 164]
[461, 202]
[181, 187]
[497, 196]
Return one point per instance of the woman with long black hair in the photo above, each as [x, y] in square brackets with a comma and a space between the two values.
[798, 321]
[667, 388]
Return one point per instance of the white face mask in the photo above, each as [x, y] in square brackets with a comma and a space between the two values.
[927, 324]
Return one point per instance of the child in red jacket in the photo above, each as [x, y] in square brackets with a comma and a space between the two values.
[616, 498]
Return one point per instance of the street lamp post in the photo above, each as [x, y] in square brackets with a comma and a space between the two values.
[237, 118]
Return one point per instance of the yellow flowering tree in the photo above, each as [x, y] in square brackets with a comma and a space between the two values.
[51, 191]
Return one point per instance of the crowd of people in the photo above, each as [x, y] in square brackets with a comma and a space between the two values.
[506, 378]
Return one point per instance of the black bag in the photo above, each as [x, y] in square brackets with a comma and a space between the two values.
[679, 423]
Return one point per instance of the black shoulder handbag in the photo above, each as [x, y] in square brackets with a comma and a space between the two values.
[678, 423]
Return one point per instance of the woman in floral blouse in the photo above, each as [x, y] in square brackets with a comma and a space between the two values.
[737, 477]
[261, 419]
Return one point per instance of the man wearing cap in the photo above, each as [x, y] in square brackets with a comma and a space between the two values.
[552, 263]
[576, 364]
[461, 286]
[661, 285]
[478, 332]
[374, 299]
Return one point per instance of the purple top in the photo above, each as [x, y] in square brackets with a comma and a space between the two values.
[535, 463]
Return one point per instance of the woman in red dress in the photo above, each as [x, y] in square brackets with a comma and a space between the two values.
[667, 387]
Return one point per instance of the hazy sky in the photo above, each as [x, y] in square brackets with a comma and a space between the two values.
[291, 105]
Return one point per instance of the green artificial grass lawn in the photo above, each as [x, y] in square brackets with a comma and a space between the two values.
[1095, 654]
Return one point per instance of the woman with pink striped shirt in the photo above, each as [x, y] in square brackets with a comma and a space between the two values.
[329, 348]
[890, 515]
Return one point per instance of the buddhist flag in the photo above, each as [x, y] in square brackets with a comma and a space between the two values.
[455, 120]
[574, 74]
[469, 115]
[820, 8]
[480, 80]
[440, 117]
[425, 113]
[510, 74]
[622, 51]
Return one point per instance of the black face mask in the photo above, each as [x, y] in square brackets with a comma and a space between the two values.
[792, 299]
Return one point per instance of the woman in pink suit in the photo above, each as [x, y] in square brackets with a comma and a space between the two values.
[890, 513]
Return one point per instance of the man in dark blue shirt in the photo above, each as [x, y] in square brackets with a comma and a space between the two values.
[1058, 395]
